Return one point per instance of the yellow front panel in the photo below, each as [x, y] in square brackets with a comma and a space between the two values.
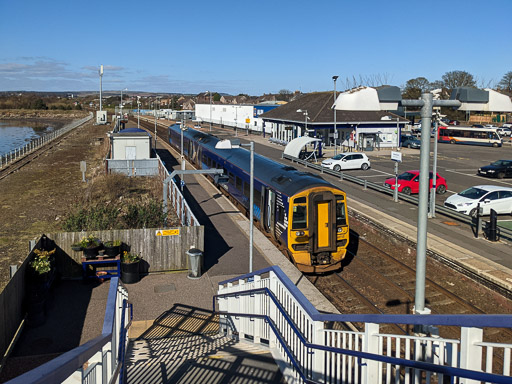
[323, 224]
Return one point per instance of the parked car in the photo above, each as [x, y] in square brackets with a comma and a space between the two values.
[499, 169]
[488, 196]
[478, 126]
[491, 126]
[503, 131]
[410, 141]
[409, 182]
[507, 125]
[454, 122]
[349, 160]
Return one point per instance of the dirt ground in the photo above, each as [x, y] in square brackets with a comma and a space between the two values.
[35, 199]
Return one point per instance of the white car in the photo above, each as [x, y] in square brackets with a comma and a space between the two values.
[489, 197]
[349, 160]
[503, 131]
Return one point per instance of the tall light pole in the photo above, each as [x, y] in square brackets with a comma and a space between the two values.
[226, 144]
[335, 130]
[101, 85]
[305, 113]
[210, 110]
[138, 111]
[157, 99]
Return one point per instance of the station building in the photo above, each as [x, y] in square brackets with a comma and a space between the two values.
[363, 118]
[483, 105]
[242, 116]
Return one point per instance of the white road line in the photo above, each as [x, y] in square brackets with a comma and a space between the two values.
[481, 178]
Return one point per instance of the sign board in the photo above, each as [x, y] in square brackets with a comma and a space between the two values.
[396, 156]
[167, 232]
[247, 121]
[83, 166]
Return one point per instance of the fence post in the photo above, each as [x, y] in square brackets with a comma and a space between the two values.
[318, 337]
[370, 368]
[273, 310]
[470, 353]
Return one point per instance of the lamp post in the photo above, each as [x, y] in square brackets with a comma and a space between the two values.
[210, 110]
[157, 100]
[227, 144]
[335, 130]
[305, 113]
[138, 111]
[121, 103]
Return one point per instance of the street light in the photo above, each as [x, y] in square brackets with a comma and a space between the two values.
[210, 110]
[138, 111]
[121, 103]
[227, 144]
[335, 130]
[305, 113]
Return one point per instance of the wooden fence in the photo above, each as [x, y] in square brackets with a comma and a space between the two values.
[159, 252]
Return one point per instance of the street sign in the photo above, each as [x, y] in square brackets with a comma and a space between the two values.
[396, 156]
[167, 232]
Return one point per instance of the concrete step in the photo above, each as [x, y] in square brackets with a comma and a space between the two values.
[210, 358]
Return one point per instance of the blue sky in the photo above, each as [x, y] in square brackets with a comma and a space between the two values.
[251, 47]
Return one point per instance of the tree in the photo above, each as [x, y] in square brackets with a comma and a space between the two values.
[216, 97]
[455, 79]
[506, 82]
[414, 87]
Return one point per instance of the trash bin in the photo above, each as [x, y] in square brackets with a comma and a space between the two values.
[194, 263]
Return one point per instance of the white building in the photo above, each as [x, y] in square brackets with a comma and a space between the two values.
[130, 144]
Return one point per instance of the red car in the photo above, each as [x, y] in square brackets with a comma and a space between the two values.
[409, 182]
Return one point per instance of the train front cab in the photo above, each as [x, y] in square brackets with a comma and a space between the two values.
[318, 233]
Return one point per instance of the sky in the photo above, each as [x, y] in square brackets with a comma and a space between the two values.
[250, 47]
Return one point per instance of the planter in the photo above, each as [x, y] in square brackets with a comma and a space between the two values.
[76, 248]
[91, 252]
[112, 251]
[130, 272]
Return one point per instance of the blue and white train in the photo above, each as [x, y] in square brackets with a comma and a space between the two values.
[303, 213]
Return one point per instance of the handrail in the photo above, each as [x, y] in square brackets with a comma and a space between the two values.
[63, 366]
[470, 321]
[377, 187]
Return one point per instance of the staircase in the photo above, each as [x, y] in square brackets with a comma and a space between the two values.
[184, 346]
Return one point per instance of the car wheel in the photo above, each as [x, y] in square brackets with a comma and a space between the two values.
[440, 189]
[409, 146]
[406, 190]
[473, 213]
[500, 175]
[452, 141]
[494, 145]
[364, 167]
[337, 168]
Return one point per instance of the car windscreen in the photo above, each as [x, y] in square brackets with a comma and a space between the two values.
[337, 157]
[501, 163]
[473, 193]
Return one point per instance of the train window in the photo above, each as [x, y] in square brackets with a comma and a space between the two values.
[205, 159]
[300, 200]
[341, 219]
[246, 190]
[300, 215]
[238, 183]
[208, 162]
[280, 214]
[231, 179]
[257, 197]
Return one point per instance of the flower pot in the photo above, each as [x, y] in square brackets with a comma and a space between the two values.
[112, 251]
[91, 252]
[130, 272]
[76, 248]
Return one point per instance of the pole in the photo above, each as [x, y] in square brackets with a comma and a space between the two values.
[434, 175]
[251, 214]
[154, 111]
[138, 111]
[210, 110]
[395, 192]
[335, 130]
[101, 81]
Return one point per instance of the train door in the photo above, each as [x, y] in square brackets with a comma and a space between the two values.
[323, 218]
[269, 211]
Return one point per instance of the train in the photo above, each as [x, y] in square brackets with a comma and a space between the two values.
[306, 216]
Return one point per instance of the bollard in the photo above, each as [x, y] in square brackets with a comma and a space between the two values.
[364, 185]
[492, 234]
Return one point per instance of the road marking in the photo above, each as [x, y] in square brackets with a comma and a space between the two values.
[480, 177]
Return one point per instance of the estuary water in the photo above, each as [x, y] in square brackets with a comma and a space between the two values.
[17, 133]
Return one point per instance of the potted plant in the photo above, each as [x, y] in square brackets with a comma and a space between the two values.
[130, 267]
[76, 246]
[90, 246]
[112, 248]
[40, 272]
[41, 265]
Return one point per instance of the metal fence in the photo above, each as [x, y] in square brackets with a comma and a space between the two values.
[267, 308]
[142, 167]
[31, 146]
[386, 190]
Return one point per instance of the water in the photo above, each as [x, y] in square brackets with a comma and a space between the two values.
[17, 133]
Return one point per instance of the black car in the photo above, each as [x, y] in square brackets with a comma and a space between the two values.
[499, 169]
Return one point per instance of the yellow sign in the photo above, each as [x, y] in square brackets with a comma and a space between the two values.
[247, 121]
[167, 232]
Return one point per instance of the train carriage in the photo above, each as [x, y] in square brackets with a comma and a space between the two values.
[303, 213]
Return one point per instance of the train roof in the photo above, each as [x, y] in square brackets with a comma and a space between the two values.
[281, 177]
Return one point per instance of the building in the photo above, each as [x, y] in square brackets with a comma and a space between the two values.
[130, 144]
[243, 116]
[360, 120]
[483, 105]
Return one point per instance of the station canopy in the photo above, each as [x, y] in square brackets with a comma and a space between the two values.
[294, 147]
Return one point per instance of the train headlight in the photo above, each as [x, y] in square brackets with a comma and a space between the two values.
[300, 233]
[339, 230]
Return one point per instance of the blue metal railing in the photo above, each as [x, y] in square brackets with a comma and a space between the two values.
[61, 368]
[467, 321]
